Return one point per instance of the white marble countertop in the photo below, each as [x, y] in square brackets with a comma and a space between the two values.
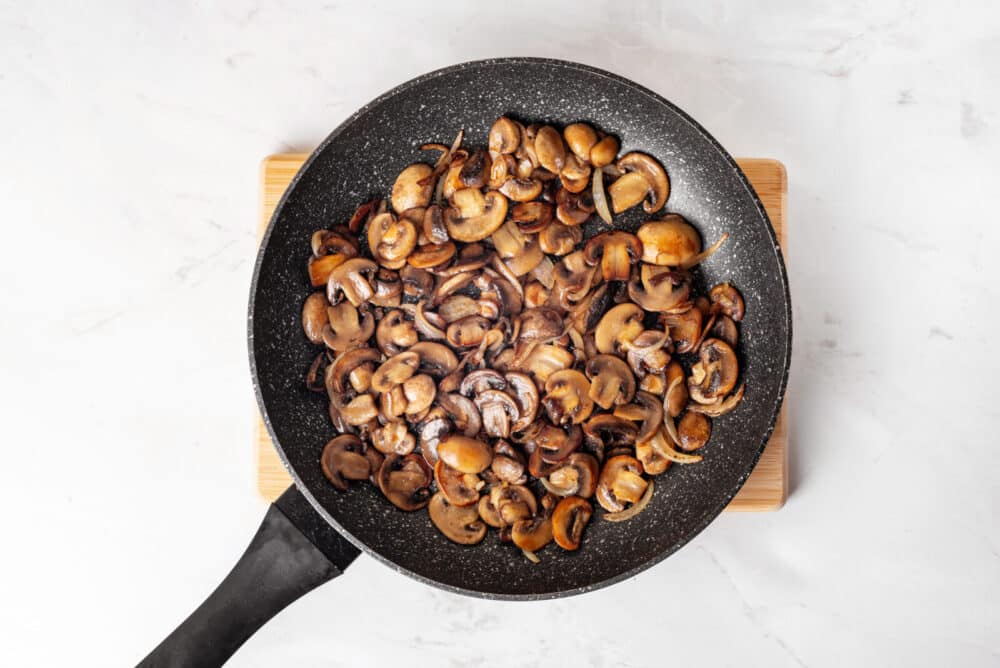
[132, 137]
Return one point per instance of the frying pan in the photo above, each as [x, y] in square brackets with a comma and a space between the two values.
[312, 533]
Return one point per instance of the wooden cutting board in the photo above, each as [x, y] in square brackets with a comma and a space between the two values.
[767, 487]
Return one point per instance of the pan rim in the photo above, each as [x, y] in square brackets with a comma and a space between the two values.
[709, 516]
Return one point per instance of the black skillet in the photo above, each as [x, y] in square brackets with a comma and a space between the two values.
[312, 533]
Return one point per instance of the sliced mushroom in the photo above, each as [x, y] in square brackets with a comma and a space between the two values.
[621, 482]
[604, 151]
[545, 360]
[417, 282]
[498, 411]
[532, 217]
[436, 359]
[405, 480]
[320, 268]
[343, 374]
[467, 332]
[714, 375]
[660, 289]
[459, 524]
[431, 430]
[524, 392]
[488, 512]
[391, 240]
[554, 444]
[346, 328]
[461, 489]
[521, 190]
[617, 252]
[532, 534]
[504, 136]
[412, 188]
[654, 383]
[351, 280]
[650, 414]
[647, 352]
[314, 317]
[685, 329]
[392, 404]
[694, 430]
[649, 454]
[655, 175]
[535, 295]
[619, 326]
[611, 381]
[431, 255]
[465, 454]
[343, 459]
[611, 430]
[559, 239]
[462, 411]
[627, 191]
[574, 208]
[359, 410]
[569, 519]
[727, 300]
[475, 170]
[388, 289]
[573, 277]
[580, 138]
[317, 372]
[513, 503]
[550, 149]
[671, 241]
[567, 397]
[479, 225]
[395, 333]
[395, 370]
[393, 438]
[419, 391]
[725, 329]
[576, 475]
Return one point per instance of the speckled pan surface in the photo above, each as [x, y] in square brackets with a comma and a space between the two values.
[363, 156]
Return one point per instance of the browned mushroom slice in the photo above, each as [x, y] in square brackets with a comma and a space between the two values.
[554, 444]
[575, 175]
[477, 218]
[621, 482]
[616, 251]
[488, 512]
[417, 283]
[504, 136]
[574, 208]
[320, 268]
[619, 326]
[567, 397]
[513, 503]
[521, 190]
[685, 329]
[660, 289]
[347, 329]
[671, 241]
[504, 167]
[535, 294]
[727, 300]
[314, 317]
[395, 370]
[604, 151]
[390, 240]
[343, 460]
[412, 188]
[393, 438]
[580, 138]
[465, 454]
[545, 360]
[419, 391]
[627, 191]
[611, 381]
[648, 410]
[714, 375]
[694, 430]
[524, 392]
[392, 403]
[539, 325]
[532, 534]
[431, 255]
[577, 474]
[650, 455]
[394, 332]
[388, 289]
[334, 242]
[508, 464]
[612, 431]
[459, 524]
[677, 396]
[468, 331]
[724, 328]
[461, 489]
[647, 352]
[462, 411]
[655, 175]
[559, 239]
[498, 411]
[344, 374]
[532, 217]
[475, 170]
[569, 519]
[351, 281]
[720, 408]
[573, 278]
[317, 372]
[654, 383]
[405, 480]
[436, 359]
[431, 430]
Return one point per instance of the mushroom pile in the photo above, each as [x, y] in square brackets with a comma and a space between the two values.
[484, 361]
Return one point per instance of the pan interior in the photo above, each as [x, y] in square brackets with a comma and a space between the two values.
[363, 156]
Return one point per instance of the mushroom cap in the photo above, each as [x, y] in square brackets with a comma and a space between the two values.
[567, 397]
[611, 381]
[559, 239]
[475, 170]
[685, 329]
[524, 392]
[436, 359]
[339, 372]
[546, 359]
[467, 332]
[405, 480]
[620, 481]
[412, 187]
[498, 410]
[464, 454]
[611, 430]
[604, 151]
[621, 324]
[343, 459]
[532, 217]
[461, 489]
[431, 255]
[657, 290]
[714, 375]
[394, 332]
[393, 438]
[459, 524]
[504, 136]
[351, 280]
[521, 190]
[569, 519]
[617, 252]
[694, 430]
[314, 317]
[627, 191]
[391, 240]
[580, 138]
[550, 149]
[554, 444]
[576, 475]
[347, 329]
[462, 411]
[655, 175]
[488, 512]
[727, 300]
[419, 391]
[670, 241]
[395, 370]
[532, 534]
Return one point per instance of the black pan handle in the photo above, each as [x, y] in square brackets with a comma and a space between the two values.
[294, 551]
